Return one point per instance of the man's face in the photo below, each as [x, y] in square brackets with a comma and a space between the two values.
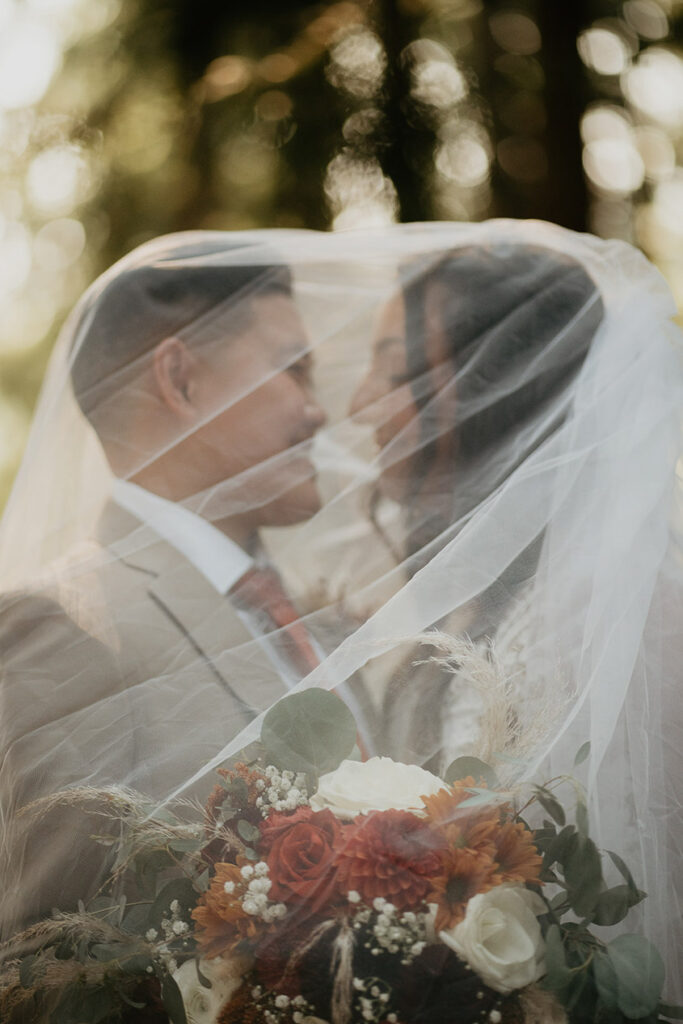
[258, 416]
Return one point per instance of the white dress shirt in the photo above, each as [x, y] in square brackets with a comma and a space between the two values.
[218, 558]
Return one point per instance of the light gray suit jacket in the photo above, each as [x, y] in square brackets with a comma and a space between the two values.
[129, 669]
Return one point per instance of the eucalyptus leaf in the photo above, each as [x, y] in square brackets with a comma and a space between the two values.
[173, 1000]
[557, 974]
[582, 753]
[640, 975]
[105, 952]
[180, 889]
[623, 870]
[583, 874]
[135, 920]
[550, 804]
[614, 904]
[136, 964]
[248, 832]
[238, 790]
[81, 1004]
[312, 731]
[203, 980]
[558, 899]
[606, 980]
[27, 971]
[185, 845]
[581, 816]
[463, 767]
[559, 847]
[668, 1010]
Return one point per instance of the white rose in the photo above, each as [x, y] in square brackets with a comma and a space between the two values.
[202, 1005]
[379, 784]
[500, 937]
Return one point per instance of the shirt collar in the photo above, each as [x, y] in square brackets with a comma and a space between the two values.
[218, 558]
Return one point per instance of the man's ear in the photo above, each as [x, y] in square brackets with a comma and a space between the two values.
[174, 369]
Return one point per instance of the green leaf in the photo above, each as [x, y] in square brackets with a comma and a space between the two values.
[605, 979]
[173, 1000]
[180, 889]
[238, 790]
[640, 975]
[107, 951]
[582, 753]
[27, 972]
[557, 974]
[185, 845]
[136, 964]
[464, 766]
[581, 816]
[623, 870]
[550, 804]
[203, 980]
[135, 921]
[85, 1004]
[674, 1012]
[558, 900]
[614, 904]
[559, 847]
[250, 833]
[583, 874]
[311, 731]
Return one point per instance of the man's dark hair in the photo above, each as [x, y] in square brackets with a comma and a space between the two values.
[177, 293]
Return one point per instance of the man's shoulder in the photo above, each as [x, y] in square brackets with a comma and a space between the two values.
[71, 592]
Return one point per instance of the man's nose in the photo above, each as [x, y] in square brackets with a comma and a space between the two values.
[314, 413]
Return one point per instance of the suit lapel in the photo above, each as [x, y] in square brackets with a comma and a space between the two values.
[206, 617]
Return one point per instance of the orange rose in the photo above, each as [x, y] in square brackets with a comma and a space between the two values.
[301, 856]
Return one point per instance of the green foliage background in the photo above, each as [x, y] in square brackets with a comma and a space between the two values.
[323, 114]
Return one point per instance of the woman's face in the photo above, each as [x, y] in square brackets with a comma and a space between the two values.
[385, 399]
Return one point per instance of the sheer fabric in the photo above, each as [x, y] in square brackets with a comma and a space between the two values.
[471, 429]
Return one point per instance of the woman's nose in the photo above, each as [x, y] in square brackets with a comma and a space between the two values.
[364, 397]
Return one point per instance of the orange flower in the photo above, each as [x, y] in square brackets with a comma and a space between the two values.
[442, 807]
[392, 854]
[461, 875]
[517, 859]
[221, 920]
[464, 827]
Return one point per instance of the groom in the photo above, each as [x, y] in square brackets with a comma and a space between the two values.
[145, 659]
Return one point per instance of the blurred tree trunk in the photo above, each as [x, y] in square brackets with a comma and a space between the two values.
[407, 146]
[566, 96]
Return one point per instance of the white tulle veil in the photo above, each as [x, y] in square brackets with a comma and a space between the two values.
[532, 520]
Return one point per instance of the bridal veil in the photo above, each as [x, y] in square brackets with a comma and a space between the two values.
[485, 470]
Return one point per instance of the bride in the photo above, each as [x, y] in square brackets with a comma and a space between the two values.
[522, 389]
[481, 349]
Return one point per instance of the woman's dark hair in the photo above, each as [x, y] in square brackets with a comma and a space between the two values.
[156, 298]
[518, 321]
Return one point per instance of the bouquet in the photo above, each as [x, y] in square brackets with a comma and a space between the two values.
[319, 888]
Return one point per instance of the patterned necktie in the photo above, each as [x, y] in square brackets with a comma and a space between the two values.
[261, 590]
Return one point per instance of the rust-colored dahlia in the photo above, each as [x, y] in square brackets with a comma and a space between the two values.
[390, 854]
[517, 859]
[460, 875]
[220, 917]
